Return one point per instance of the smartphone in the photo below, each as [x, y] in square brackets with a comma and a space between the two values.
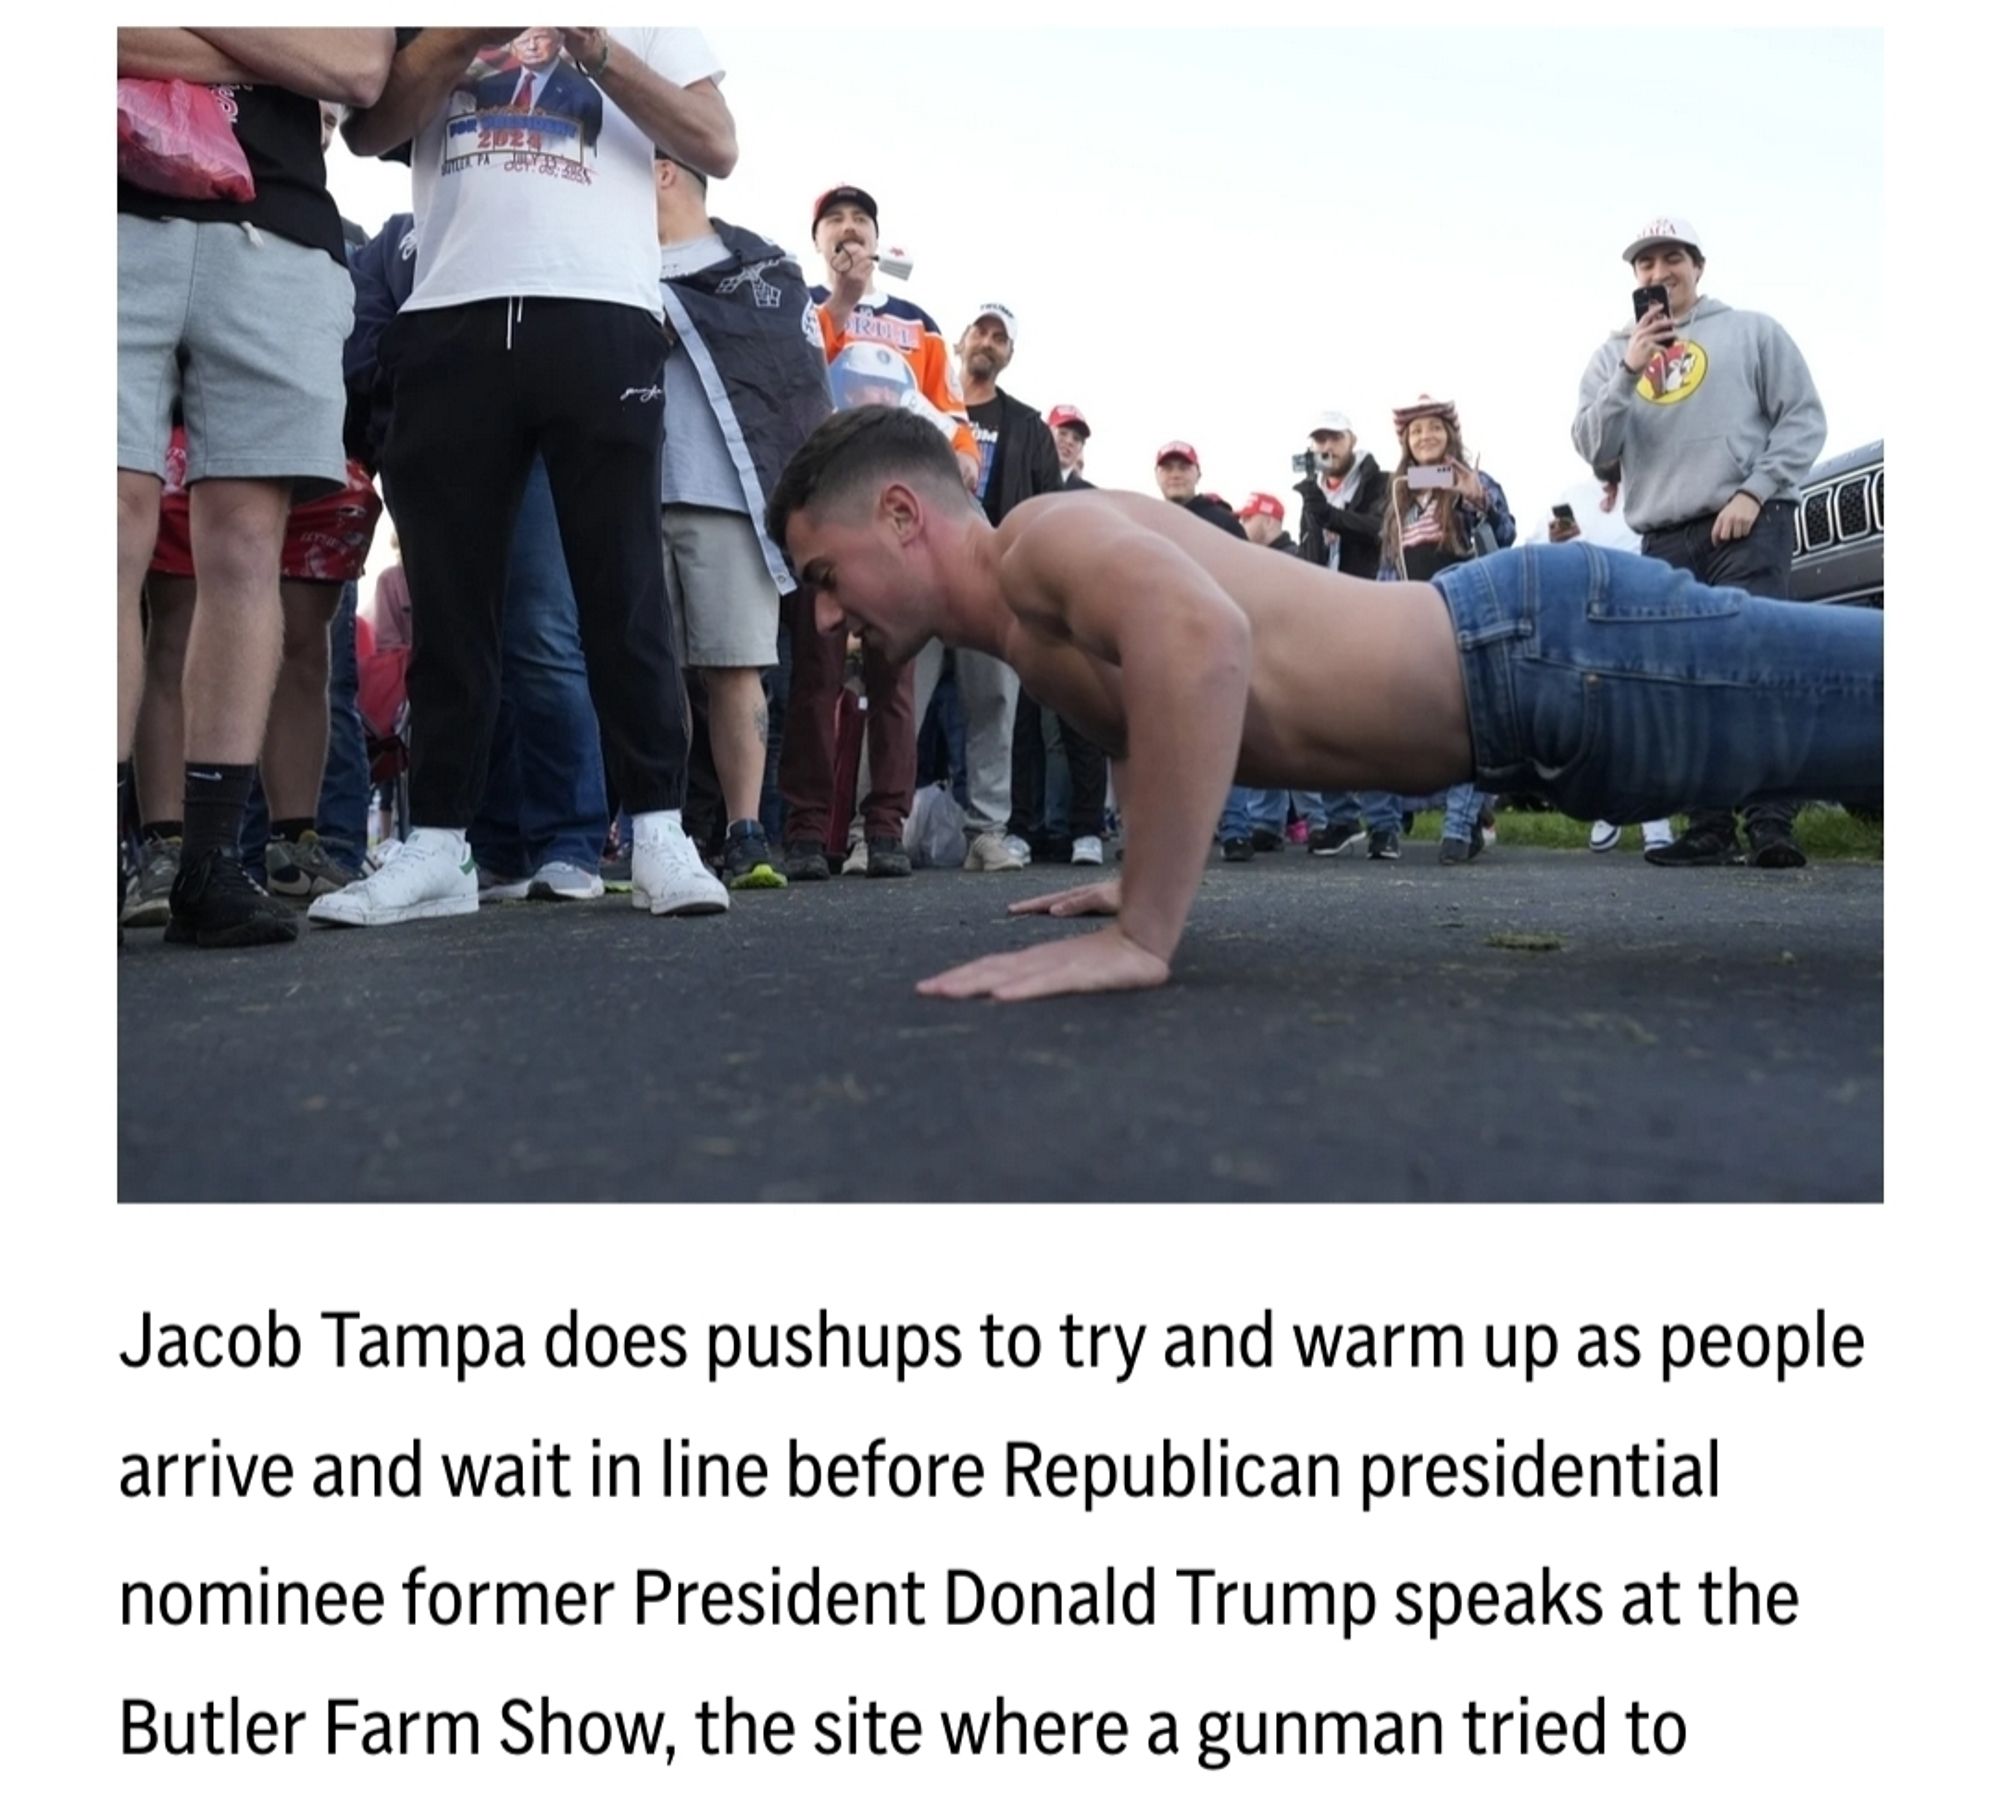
[1646, 296]
[1563, 514]
[1430, 479]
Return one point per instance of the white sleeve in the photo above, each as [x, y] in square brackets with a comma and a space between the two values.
[680, 53]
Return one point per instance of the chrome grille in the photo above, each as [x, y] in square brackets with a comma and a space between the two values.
[1816, 521]
[1881, 522]
[1850, 508]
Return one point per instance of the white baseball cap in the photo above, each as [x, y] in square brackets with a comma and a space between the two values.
[1667, 229]
[1003, 315]
[1331, 422]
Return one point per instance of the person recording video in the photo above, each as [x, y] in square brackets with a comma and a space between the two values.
[1345, 493]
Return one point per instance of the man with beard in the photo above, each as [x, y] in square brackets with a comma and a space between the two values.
[1340, 525]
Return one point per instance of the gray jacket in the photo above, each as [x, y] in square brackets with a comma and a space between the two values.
[1737, 412]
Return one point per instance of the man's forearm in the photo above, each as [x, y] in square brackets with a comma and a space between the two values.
[420, 80]
[694, 122]
[168, 53]
[337, 63]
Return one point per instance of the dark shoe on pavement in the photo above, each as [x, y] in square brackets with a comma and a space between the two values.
[214, 903]
[1238, 850]
[887, 860]
[1458, 850]
[1385, 845]
[1772, 847]
[807, 863]
[1694, 850]
[1264, 839]
[746, 859]
[1330, 841]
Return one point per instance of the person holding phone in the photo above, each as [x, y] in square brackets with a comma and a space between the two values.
[1442, 512]
[1710, 415]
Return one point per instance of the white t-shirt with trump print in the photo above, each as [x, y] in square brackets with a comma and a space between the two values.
[532, 181]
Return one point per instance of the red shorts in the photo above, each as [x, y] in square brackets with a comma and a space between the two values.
[325, 540]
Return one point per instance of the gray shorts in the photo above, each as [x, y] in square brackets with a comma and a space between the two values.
[246, 329]
[724, 601]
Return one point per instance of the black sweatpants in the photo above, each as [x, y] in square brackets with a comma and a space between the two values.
[475, 391]
[1088, 774]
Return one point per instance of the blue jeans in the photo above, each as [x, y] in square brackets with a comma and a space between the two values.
[544, 800]
[1623, 689]
[1248, 809]
[1462, 808]
[1378, 811]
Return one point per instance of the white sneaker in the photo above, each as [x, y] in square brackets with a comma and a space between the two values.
[990, 851]
[1658, 834]
[1604, 836]
[565, 882]
[431, 874]
[857, 859]
[1086, 850]
[668, 875]
[1021, 849]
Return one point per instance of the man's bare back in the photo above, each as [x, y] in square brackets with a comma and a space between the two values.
[1352, 683]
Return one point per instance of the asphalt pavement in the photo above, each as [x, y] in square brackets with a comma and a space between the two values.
[1540, 1025]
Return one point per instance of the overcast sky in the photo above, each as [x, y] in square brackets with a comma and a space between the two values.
[1211, 235]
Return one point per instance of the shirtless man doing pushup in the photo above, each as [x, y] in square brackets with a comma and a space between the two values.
[1617, 687]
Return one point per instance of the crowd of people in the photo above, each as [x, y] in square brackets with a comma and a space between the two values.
[576, 391]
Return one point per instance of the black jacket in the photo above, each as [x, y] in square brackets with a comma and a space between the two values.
[1359, 528]
[1211, 509]
[1076, 482]
[1024, 460]
[745, 324]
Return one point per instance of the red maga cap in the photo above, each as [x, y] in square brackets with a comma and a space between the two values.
[1178, 450]
[1262, 504]
[1068, 416]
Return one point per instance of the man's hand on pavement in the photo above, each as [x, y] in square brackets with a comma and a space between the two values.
[1089, 964]
[1097, 898]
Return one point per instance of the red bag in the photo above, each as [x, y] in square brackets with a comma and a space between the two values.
[174, 139]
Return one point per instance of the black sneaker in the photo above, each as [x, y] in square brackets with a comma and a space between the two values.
[1772, 847]
[1238, 850]
[214, 903]
[807, 863]
[1262, 838]
[1385, 845]
[746, 858]
[1694, 850]
[887, 860]
[1330, 841]
[1455, 850]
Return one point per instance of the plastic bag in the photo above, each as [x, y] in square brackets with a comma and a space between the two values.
[174, 139]
[934, 833]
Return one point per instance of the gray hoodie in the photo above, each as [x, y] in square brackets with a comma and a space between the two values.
[1739, 414]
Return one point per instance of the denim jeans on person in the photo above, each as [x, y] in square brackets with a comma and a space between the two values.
[342, 816]
[1372, 808]
[1621, 688]
[544, 799]
[1759, 563]
[1250, 810]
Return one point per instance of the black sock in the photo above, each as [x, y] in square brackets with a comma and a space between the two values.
[160, 828]
[290, 830]
[216, 795]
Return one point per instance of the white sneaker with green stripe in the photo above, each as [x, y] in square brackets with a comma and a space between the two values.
[431, 873]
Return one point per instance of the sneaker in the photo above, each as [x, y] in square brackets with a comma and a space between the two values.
[1385, 845]
[857, 859]
[993, 851]
[1604, 836]
[1262, 838]
[148, 887]
[1697, 849]
[1086, 850]
[213, 903]
[565, 882]
[1330, 841]
[807, 863]
[887, 860]
[1238, 850]
[495, 887]
[1020, 847]
[304, 868]
[1463, 850]
[668, 875]
[1658, 834]
[1772, 847]
[430, 875]
[746, 859]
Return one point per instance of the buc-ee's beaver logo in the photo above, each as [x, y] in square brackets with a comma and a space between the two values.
[1674, 373]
